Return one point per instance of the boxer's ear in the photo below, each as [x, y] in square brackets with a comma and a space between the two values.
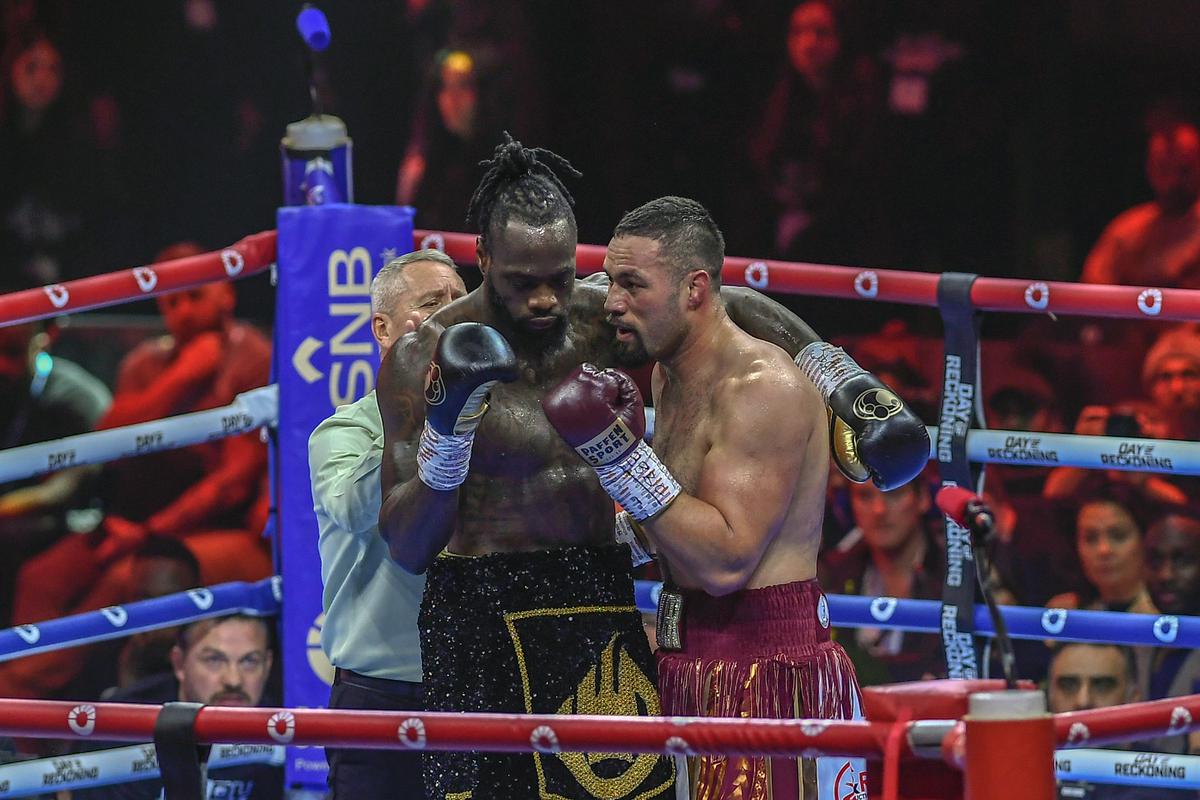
[481, 256]
[699, 285]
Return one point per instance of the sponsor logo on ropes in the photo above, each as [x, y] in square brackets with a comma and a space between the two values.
[813, 728]
[1133, 454]
[544, 739]
[1166, 628]
[433, 241]
[233, 262]
[58, 294]
[282, 726]
[882, 608]
[63, 458]
[959, 647]
[148, 762]
[1150, 765]
[1181, 718]
[82, 719]
[1022, 449]
[435, 389]
[203, 598]
[68, 770]
[823, 612]
[277, 588]
[28, 633]
[1078, 734]
[678, 746]
[758, 275]
[850, 784]
[1037, 295]
[146, 278]
[1054, 620]
[412, 733]
[958, 401]
[866, 283]
[145, 442]
[1150, 302]
[236, 422]
[877, 404]
[116, 615]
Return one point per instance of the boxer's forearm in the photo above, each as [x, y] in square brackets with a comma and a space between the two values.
[704, 550]
[763, 318]
[417, 523]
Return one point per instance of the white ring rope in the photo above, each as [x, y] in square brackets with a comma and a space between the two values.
[249, 410]
[1032, 449]
[1162, 770]
[137, 762]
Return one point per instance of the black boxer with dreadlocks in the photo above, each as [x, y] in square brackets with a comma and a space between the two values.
[528, 604]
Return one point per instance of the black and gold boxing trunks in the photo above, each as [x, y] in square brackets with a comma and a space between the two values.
[547, 632]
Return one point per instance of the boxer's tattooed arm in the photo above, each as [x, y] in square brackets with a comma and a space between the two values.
[414, 520]
[763, 318]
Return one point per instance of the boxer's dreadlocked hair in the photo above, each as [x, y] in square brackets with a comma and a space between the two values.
[523, 182]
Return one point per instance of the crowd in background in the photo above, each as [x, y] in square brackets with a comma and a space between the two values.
[1051, 142]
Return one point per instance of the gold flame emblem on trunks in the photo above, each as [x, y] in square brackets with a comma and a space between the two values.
[615, 685]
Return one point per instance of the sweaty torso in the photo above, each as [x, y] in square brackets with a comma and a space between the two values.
[689, 422]
[527, 489]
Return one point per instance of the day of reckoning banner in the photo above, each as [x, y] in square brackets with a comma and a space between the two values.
[325, 357]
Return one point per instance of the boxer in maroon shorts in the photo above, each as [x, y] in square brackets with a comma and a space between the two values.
[731, 496]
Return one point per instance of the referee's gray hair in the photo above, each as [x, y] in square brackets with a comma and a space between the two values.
[389, 282]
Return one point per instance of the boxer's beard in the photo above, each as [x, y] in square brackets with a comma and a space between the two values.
[522, 337]
[632, 353]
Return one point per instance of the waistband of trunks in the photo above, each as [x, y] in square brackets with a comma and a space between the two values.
[786, 618]
[536, 579]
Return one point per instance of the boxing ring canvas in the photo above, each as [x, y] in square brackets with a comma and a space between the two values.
[325, 357]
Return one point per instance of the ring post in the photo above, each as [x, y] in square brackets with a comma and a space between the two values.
[1003, 730]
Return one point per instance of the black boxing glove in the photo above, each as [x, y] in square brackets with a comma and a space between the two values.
[469, 360]
[873, 433]
[600, 413]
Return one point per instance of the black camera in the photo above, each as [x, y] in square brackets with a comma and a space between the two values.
[1125, 425]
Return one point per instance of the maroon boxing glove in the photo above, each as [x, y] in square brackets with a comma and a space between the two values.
[600, 414]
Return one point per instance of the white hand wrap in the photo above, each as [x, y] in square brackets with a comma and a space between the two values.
[639, 482]
[443, 459]
[828, 367]
[627, 535]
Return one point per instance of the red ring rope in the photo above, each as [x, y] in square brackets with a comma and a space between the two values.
[447, 731]
[894, 286]
[249, 256]
[1100, 726]
[911, 288]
